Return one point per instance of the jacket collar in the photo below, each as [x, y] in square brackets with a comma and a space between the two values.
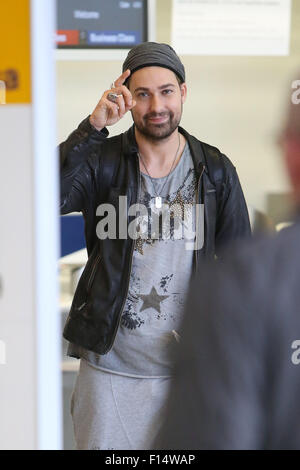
[130, 146]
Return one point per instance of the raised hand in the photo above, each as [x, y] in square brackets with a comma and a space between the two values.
[109, 112]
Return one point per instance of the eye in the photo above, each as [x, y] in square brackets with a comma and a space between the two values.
[143, 94]
[167, 92]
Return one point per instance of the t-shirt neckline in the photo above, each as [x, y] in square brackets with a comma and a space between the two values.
[176, 167]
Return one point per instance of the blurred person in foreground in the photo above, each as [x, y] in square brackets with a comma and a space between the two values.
[237, 375]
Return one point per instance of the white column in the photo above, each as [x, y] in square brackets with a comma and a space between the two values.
[30, 336]
[48, 327]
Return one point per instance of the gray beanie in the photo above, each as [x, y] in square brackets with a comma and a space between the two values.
[150, 54]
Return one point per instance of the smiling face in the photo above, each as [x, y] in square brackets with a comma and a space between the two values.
[159, 101]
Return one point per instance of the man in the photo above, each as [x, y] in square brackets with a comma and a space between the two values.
[128, 302]
[237, 382]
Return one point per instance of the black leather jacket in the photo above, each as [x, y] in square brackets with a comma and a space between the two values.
[96, 169]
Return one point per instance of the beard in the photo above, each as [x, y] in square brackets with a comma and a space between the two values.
[156, 132]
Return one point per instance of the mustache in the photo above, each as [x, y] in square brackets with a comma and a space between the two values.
[157, 115]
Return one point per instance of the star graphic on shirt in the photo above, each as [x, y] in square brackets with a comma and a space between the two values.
[152, 300]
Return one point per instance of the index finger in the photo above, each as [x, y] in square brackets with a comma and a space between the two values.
[122, 78]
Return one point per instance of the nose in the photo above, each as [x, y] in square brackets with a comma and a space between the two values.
[156, 103]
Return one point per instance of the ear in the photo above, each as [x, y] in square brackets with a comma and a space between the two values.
[292, 160]
[183, 91]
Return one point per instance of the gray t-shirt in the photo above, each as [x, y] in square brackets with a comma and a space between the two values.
[161, 271]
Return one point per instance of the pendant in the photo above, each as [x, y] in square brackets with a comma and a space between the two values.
[158, 202]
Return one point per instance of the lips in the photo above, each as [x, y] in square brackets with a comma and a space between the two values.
[158, 119]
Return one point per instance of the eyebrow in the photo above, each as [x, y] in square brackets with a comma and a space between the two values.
[142, 88]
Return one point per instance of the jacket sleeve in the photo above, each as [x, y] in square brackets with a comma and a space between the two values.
[75, 169]
[232, 213]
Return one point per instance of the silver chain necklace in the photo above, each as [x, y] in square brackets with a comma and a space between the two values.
[158, 200]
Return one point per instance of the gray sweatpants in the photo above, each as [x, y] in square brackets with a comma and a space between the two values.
[111, 411]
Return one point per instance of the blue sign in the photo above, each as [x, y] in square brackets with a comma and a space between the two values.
[113, 38]
[71, 234]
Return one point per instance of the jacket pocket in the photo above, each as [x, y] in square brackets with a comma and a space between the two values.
[89, 282]
[93, 272]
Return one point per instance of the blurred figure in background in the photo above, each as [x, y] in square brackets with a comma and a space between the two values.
[237, 374]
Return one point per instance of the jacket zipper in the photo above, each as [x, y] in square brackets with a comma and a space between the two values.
[197, 221]
[93, 272]
[130, 266]
[90, 280]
